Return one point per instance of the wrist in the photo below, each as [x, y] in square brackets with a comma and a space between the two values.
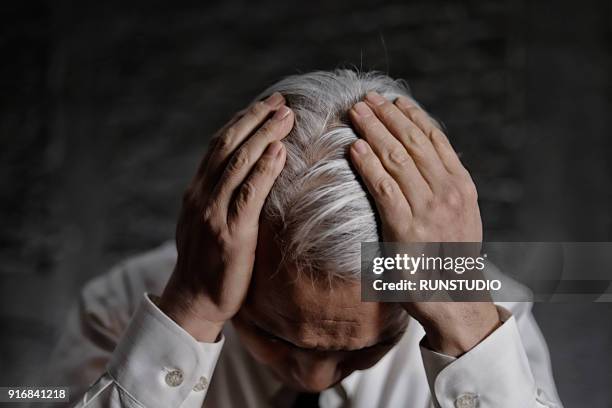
[461, 328]
[183, 310]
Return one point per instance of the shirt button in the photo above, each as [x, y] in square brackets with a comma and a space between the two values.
[174, 378]
[201, 384]
[467, 400]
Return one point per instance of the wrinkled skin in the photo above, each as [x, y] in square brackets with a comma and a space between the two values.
[311, 335]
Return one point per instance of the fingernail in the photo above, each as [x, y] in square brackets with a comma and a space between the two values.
[360, 147]
[281, 113]
[375, 98]
[274, 149]
[274, 99]
[362, 109]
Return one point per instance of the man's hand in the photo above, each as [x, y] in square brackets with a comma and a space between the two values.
[423, 194]
[216, 235]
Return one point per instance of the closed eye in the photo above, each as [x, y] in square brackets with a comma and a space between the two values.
[387, 342]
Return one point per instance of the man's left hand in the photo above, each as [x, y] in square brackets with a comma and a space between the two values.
[423, 193]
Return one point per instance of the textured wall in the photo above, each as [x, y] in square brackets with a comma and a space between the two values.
[106, 110]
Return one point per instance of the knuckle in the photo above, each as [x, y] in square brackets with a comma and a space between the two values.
[453, 198]
[412, 112]
[438, 136]
[399, 157]
[416, 138]
[246, 194]
[411, 137]
[221, 236]
[271, 130]
[266, 132]
[209, 214]
[225, 140]
[419, 115]
[422, 120]
[214, 225]
[259, 109]
[384, 188]
[415, 145]
[264, 166]
[387, 109]
[239, 161]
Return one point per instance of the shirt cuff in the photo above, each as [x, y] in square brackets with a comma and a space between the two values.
[158, 363]
[495, 373]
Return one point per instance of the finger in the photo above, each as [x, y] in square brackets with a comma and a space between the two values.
[412, 138]
[246, 207]
[238, 129]
[212, 144]
[392, 206]
[392, 154]
[429, 127]
[243, 160]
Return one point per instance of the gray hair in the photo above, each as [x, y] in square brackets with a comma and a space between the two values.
[321, 211]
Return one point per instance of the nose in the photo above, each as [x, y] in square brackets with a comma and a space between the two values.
[316, 372]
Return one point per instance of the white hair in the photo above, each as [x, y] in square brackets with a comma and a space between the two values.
[320, 210]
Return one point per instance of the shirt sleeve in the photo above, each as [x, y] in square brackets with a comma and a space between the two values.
[498, 372]
[155, 364]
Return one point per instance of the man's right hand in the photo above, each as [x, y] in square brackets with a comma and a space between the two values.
[217, 231]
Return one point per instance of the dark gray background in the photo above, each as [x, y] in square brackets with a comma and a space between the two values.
[106, 109]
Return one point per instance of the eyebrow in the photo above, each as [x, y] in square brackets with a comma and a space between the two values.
[386, 341]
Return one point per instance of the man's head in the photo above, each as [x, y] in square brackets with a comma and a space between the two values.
[303, 316]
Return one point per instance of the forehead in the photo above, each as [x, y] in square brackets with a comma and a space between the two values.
[309, 314]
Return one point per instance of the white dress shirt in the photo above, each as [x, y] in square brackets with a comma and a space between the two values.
[120, 350]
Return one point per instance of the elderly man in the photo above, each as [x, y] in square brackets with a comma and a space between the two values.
[259, 303]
